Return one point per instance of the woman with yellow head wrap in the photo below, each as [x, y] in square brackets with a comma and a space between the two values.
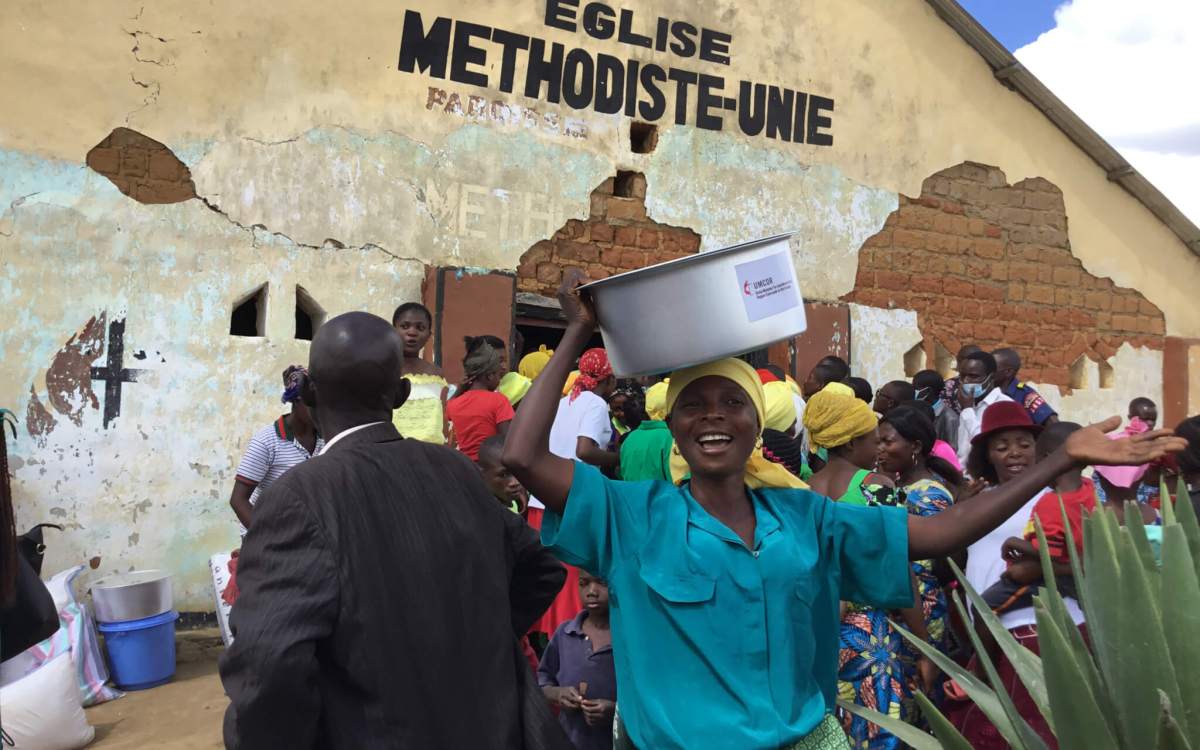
[532, 364]
[656, 400]
[780, 444]
[759, 471]
[730, 581]
[845, 425]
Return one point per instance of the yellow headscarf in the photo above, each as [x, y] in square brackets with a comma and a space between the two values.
[514, 386]
[570, 381]
[759, 471]
[794, 386]
[834, 416]
[532, 364]
[656, 401]
[781, 410]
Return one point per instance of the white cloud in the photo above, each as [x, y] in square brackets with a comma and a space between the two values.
[1131, 70]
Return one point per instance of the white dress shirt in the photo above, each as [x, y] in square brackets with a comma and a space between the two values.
[345, 432]
[970, 422]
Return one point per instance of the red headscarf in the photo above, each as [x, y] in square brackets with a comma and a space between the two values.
[593, 367]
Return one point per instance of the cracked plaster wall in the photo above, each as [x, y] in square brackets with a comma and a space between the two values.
[294, 117]
[152, 489]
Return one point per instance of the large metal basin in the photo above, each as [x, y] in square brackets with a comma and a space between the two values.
[697, 309]
[132, 596]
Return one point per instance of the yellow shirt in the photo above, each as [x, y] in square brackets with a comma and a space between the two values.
[421, 416]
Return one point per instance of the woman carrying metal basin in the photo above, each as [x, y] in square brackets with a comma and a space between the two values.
[724, 588]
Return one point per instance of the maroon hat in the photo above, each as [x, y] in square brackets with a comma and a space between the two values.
[1004, 415]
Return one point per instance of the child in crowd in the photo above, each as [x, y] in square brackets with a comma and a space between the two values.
[1144, 409]
[1018, 584]
[577, 674]
[477, 411]
[499, 480]
[512, 495]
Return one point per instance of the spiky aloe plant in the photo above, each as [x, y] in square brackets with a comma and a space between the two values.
[1137, 687]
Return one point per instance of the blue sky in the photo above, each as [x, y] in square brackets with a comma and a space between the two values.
[1097, 47]
[1014, 22]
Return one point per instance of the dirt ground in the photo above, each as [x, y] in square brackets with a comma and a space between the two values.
[184, 713]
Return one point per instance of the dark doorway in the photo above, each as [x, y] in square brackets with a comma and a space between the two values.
[546, 333]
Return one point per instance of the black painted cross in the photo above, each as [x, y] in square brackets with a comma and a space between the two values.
[113, 374]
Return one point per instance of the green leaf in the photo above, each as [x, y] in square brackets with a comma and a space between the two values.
[1181, 624]
[1101, 596]
[1015, 729]
[983, 696]
[1026, 663]
[1058, 609]
[1143, 660]
[1170, 735]
[1137, 532]
[1185, 513]
[1079, 719]
[905, 732]
[947, 735]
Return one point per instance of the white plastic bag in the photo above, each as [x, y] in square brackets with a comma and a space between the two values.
[219, 564]
[78, 636]
[41, 711]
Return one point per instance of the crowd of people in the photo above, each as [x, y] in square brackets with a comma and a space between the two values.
[727, 551]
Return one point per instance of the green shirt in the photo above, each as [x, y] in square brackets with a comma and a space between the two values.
[717, 645]
[646, 453]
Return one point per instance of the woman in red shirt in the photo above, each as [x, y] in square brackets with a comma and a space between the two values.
[477, 411]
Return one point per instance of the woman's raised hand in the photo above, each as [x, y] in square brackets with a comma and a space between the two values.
[577, 306]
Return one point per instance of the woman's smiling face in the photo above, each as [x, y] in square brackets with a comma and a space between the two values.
[1011, 452]
[715, 426]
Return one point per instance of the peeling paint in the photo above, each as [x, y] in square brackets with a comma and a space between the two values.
[878, 340]
[69, 379]
[747, 192]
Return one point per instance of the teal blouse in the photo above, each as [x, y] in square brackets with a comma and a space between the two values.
[717, 645]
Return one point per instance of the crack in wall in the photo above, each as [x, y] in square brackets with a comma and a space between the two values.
[155, 89]
[153, 86]
[254, 229]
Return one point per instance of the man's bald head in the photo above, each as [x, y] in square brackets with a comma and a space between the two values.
[354, 369]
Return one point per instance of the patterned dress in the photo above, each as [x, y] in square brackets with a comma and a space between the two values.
[875, 668]
[926, 497]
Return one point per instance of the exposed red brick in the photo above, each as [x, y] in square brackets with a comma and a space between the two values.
[648, 238]
[981, 261]
[629, 209]
[602, 232]
[142, 168]
[958, 287]
[892, 280]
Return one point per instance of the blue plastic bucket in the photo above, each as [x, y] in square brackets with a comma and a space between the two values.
[141, 653]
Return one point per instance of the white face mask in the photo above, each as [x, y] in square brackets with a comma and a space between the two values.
[978, 390]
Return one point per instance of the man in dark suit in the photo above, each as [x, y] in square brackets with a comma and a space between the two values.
[382, 587]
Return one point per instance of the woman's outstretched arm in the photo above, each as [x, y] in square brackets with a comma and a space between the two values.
[964, 523]
[527, 445]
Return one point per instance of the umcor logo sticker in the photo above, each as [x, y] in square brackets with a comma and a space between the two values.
[768, 286]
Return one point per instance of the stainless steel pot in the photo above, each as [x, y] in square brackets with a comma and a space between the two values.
[132, 596]
[697, 309]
